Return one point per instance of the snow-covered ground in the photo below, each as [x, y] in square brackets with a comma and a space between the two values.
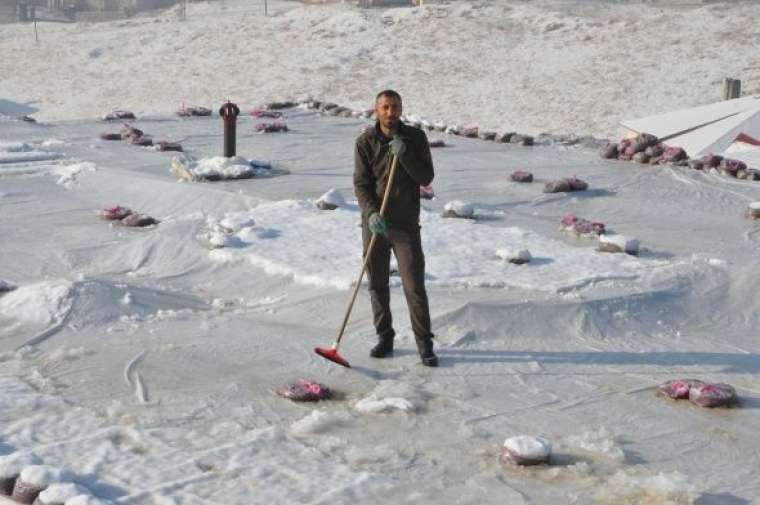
[544, 66]
[145, 362]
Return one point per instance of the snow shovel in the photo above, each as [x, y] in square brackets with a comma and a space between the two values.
[332, 353]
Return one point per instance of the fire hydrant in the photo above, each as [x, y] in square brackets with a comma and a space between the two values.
[229, 112]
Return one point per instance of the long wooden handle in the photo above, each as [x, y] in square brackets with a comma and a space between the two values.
[383, 206]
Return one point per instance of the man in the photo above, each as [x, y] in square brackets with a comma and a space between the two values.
[399, 229]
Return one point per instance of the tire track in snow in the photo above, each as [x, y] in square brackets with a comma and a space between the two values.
[134, 378]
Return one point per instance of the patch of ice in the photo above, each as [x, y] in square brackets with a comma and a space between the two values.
[236, 221]
[42, 303]
[15, 147]
[68, 173]
[84, 499]
[43, 475]
[598, 441]
[317, 421]
[60, 493]
[374, 405]
[638, 486]
[12, 464]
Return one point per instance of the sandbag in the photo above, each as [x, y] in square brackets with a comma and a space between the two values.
[426, 192]
[678, 389]
[138, 220]
[141, 141]
[697, 164]
[305, 391]
[557, 186]
[266, 113]
[655, 150]
[713, 395]
[164, 145]
[609, 152]
[277, 126]
[521, 176]
[193, 111]
[581, 227]
[646, 140]
[505, 137]
[110, 136]
[641, 157]
[712, 160]
[118, 114]
[523, 140]
[471, 132]
[115, 213]
[129, 132]
[673, 154]
[437, 143]
[731, 167]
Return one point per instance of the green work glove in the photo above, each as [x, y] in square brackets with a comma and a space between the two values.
[397, 146]
[377, 224]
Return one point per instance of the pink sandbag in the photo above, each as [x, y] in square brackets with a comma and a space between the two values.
[678, 389]
[557, 186]
[427, 192]
[305, 391]
[277, 126]
[624, 144]
[673, 153]
[582, 227]
[115, 213]
[713, 395]
[577, 184]
[712, 160]
[521, 176]
[646, 140]
[731, 166]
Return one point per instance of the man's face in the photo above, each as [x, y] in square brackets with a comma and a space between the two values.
[388, 111]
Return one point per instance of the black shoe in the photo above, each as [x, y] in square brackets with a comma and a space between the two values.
[383, 349]
[428, 357]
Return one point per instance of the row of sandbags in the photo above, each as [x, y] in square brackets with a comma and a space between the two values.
[334, 109]
[137, 137]
[647, 149]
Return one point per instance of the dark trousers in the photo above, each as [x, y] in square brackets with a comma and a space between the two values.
[407, 247]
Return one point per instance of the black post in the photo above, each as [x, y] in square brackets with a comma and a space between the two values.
[229, 112]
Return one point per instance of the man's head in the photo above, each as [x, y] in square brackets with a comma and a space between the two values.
[388, 109]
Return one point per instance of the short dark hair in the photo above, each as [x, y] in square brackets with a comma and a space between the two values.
[389, 93]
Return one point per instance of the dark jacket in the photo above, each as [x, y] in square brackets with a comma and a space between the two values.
[371, 169]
